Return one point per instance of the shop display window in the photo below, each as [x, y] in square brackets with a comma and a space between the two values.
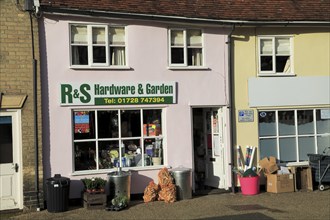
[106, 139]
[85, 154]
[290, 135]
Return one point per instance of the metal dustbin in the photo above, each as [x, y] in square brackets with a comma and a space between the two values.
[57, 193]
[182, 180]
[119, 184]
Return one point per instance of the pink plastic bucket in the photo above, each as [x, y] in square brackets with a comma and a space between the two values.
[249, 185]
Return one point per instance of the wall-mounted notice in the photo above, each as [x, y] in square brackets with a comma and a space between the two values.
[325, 113]
[245, 115]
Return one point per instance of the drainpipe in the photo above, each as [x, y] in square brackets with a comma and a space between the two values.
[230, 106]
[35, 111]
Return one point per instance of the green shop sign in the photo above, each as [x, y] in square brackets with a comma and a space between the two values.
[118, 93]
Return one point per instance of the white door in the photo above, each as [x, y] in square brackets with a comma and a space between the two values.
[215, 152]
[10, 189]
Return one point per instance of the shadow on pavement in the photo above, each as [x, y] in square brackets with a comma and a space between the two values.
[249, 216]
[251, 207]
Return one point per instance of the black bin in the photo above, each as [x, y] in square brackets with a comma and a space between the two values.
[57, 191]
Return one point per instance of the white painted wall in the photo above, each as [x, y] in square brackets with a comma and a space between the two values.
[147, 49]
[288, 91]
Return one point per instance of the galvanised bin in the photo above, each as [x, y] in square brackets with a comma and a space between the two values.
[120, 184]
[183, 182]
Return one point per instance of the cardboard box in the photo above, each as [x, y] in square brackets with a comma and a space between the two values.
[302, 177]
[280, 183]
[269, 166]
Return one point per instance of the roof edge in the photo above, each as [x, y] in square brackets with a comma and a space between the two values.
[127, 15]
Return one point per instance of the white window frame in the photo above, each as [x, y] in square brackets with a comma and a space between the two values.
[273, 71]
[185, 49]
[90, 47]
[120, 139]
[315, 134]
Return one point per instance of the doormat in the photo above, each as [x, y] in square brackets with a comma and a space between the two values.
[251, 207]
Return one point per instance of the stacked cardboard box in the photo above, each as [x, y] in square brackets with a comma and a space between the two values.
[276, 183]
[280, 183]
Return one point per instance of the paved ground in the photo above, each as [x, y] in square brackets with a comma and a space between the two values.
[298, 205]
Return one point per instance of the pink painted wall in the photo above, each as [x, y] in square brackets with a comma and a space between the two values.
[147, 49]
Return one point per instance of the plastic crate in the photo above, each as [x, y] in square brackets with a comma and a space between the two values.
[319, 163]
[315, 158]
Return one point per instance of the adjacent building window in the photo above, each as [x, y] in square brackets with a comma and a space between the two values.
[290, 135]
[97, 45]
[275, 55]
[104, 139]
[186, 47]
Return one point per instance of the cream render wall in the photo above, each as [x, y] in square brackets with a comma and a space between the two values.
[312, 53]
[311, 49]
[244, 61]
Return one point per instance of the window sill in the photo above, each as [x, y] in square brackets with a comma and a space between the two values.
[188, 68]
[104, 171]
[276, 74]
[101, 67]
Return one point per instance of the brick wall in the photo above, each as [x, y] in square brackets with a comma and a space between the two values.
[16, 77]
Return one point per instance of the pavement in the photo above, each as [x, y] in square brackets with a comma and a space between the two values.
[296, 205]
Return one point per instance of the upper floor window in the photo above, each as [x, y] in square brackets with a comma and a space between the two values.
[275, 55]
[97, 45]
[186, 47]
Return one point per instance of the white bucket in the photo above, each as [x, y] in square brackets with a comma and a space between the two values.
[157, 161]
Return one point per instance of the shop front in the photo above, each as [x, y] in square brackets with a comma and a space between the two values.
[133, 105]
[130, 135]
[140, 127]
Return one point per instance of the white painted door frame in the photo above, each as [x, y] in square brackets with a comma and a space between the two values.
[217, 158]
[11, 184]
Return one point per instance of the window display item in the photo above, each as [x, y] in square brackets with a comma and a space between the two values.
[156, 160]
[151, 129]
[150, 150]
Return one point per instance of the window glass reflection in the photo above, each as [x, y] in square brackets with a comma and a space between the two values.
[286, 123]
[323, 121]
[267, 124]
[268, 148]
[323, 143]
[306, 146]
[288, 151]
[85, 156]
[6, 140]
[107, 124]
[305, 122]
[130, 123]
